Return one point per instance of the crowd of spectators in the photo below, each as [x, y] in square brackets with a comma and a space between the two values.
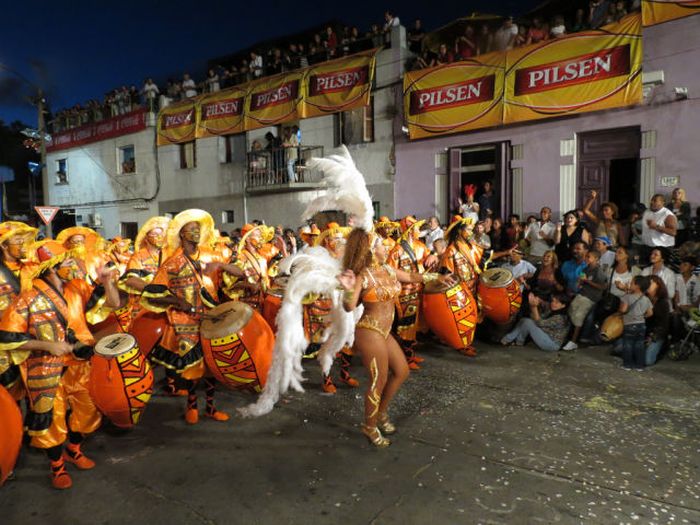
[479, 39]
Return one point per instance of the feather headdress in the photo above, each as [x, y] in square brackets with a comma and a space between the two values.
[345, 189]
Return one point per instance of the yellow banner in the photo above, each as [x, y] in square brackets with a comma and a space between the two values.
[273, 100]
[582, 72]
[177, 123]
[659, 11]
[338, 85]
[221, 113]
[456, 97]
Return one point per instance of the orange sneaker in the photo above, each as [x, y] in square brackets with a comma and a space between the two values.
[328, 387]
[418, 359]
[60, 479]
[192, 416]
[350, 381]
[72, 454]
[217, 415]
[412, 365]
[469, 352]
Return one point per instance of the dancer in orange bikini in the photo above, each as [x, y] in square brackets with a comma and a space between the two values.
[370, 281]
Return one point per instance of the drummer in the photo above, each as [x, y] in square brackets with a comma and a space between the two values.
[333, 239]
[15, 274]
[54, 358]
[386, 229]
[89, 246]
[410, 255]
[186, 286]
[119, 253]
[254, 255]
[309, 234]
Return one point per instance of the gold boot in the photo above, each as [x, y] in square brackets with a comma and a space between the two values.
[386, 426]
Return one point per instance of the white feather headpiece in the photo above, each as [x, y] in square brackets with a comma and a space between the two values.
[345, 189]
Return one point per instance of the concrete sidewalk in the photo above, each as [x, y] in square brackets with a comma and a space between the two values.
[513, 436]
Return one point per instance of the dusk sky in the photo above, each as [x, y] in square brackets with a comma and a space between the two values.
[79, 49]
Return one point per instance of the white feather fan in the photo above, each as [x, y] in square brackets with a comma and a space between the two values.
[346, 189]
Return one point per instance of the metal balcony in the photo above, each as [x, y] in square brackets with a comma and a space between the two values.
[276, 170]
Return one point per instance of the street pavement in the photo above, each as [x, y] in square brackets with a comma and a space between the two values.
[513, 436]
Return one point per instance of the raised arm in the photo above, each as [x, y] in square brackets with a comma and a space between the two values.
[587, 207]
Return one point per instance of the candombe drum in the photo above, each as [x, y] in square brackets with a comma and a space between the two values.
[611, 328]
[451, 313]
[237, 345]
[10, 433]
[121, 380]
[147, 328]
[499, 295]
[273, 301]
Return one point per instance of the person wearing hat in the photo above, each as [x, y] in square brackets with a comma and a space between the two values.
[46, 331]
[386, 229]
[15, 238]
[309, 234]
[412, 256]
[186, 286]
[603, 246]
[89, 249]
[254, 254]
[119, 252]
[317, 314]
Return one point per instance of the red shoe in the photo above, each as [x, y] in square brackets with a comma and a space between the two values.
[217, 415]
[328, 387]
[418, 359]
[72, 454]
[412, 365]
[469, 352]
[350, 381]
[60, 479]
[192, 416]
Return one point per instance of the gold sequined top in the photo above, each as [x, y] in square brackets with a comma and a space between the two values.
[380, 288]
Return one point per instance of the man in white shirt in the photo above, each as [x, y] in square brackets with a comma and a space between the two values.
[433, 233]
[188, 86]
[150, 93]
[659, 226]
[520, 268]
[540, 235]
[687, 286]
[504, 37]
[256, 64]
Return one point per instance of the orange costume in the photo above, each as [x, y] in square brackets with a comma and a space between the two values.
[56, 385]
[255, 262]
[386, 229]
[14, 276]
[118, 252]
[463, 258]
[89, 246]
[409, 255]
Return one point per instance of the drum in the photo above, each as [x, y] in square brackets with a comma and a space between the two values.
[11, 434]
[499, 295]
[121, 380]
[147, 328]
[237, 345]
[612, 328]
[273, 301]
[451, 313]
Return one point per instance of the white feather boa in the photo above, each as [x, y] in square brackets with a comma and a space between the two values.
[311, 270]
[346, 189]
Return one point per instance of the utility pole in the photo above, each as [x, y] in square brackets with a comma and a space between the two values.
[42, 150]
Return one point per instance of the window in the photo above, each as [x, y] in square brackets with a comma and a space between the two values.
[62, 171]
[188, 155]
[127, 159]
[227, 216]
[355, 126]
[129, 230]
[377, 208]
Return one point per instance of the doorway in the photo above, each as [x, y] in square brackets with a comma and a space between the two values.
[608, 162]
[476, 165]
[129, 230]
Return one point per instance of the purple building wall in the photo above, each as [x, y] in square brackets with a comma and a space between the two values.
[673, 47]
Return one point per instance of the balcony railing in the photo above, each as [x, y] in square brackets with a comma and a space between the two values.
[282, 169]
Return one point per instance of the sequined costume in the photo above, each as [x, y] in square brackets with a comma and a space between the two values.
[380, 289]
[254, 256]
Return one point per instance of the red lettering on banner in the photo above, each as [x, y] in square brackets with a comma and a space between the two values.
[272, 97]
[604, 64]
[442, 97]
[222, 108]
[114, 127]
[178, 119]
[336, 81]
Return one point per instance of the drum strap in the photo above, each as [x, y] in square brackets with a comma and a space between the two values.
[197, 269]
[256, 266]
[10, 278]
[409, 251]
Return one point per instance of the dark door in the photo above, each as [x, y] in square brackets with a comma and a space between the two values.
[594, 175]
[129, 230]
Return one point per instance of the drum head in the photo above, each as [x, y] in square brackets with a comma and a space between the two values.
[226, 319]
[496, 277]
[436, 287]
[115, 344]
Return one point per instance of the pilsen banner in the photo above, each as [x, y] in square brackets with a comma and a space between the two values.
[273, 100]
[586, 71]
[220, 113]
[338, 85]
[177, 123]
[457, 97]
[659, 11]
[105, 129]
